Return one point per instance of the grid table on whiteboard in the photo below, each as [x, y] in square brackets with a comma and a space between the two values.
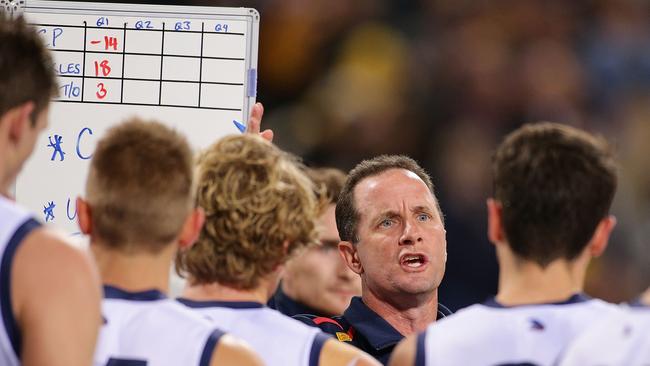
[169, 62]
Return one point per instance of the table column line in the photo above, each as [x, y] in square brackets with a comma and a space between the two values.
[83, 72]
[123, 64]
[201, 63]
[162, 58]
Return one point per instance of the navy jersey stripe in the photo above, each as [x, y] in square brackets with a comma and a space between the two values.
[11, 326]
[574, 299]
[112, 292]
[208, 350]
[420, 352]
[220, 304]
[316, 348]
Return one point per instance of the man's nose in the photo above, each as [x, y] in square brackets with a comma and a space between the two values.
[411, 234]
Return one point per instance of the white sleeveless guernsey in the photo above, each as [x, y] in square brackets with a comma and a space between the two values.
[276, 338]
[620, 339]
[492, 334]
[147, 329]
[15, 224]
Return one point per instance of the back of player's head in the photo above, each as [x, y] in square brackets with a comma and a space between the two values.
[347, 214]
[259, 208]
[555, 184]
[328, 183]
[139, 186]
[26, 68]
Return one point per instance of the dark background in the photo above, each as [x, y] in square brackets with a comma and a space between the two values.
[443, 81]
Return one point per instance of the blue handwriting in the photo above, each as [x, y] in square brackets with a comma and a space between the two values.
[143, 24]
[56, 145]
[184, 25]
[48, 211]
[90, 132]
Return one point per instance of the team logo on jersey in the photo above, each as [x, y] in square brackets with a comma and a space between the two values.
[536, 325]
[343, 337]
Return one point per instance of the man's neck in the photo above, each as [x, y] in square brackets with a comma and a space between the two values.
[133, 272]
[523, 282]
[408, 315]
[218, 292]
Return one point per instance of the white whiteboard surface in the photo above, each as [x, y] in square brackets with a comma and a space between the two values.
[193, 68]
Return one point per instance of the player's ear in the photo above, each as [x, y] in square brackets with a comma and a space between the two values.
[84, 216]
[191, 228]
[600, 238]
[495, 221]
[350, 255]
[18, 119]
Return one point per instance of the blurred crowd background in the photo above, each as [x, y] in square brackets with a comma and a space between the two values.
[443, 81]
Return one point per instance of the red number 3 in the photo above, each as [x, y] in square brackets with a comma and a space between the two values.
[101, 93]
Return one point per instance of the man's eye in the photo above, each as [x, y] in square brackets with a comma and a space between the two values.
[386, 223]
[423, 217]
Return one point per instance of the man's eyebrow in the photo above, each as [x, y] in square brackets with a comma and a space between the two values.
[426, 209]
[385, 215]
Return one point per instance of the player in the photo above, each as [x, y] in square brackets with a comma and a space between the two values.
[318, 281]
[260, 209]
[138, 210]
[49, 291]
[553, 186]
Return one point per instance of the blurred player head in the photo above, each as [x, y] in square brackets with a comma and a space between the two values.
[318, 277]
[553, 187]
[27, 83]
[259, 207]
[139, 192]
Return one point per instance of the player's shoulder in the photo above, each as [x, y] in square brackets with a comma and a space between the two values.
[50, 255]
[275, 319]
[613, 340]
[173, 311]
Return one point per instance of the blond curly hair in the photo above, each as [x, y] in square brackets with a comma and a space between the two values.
[260, 207]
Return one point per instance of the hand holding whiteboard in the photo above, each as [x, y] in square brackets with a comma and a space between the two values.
[193, 68]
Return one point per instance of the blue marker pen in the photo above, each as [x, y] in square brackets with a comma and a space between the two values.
[239, 126]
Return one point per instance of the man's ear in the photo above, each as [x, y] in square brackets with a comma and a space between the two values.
[84, 216]
[18, 119]
[495, 221]
[350, 256]
[191, 228]
[600, 238]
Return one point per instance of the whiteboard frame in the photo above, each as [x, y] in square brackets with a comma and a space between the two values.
[250, 15]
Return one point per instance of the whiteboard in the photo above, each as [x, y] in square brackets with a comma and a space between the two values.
[193, 68]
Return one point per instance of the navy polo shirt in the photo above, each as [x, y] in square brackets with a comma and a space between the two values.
[288, 306]
[363, 328]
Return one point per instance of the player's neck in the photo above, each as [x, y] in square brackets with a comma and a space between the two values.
[645, 297]
[218, 292]
[408, 315]
[523, 282]
[5, 180]
[133, 271]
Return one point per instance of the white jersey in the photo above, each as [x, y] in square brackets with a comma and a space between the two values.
[276, 338]
[146, 328]
[15, 224]
[622, 339]
[491, 334]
